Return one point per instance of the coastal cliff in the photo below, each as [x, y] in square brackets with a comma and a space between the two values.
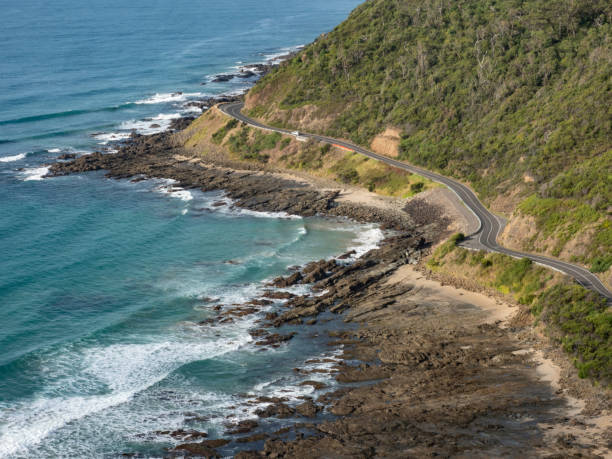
[510, 97]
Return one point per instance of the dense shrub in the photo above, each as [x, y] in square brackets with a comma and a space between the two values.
[506, 94]
[219, 136]
[581, 322]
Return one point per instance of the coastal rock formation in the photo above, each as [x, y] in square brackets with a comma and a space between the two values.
[156, 156]
[421, 375]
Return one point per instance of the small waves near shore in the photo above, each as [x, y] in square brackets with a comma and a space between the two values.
[107, 286]
[112, 346]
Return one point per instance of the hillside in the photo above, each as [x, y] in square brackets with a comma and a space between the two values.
[512, 97]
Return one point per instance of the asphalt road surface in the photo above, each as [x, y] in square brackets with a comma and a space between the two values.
[490, 226]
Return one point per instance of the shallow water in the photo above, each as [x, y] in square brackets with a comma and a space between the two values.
[102, 282]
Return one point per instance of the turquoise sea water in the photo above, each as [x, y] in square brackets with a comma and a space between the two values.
[103, 282]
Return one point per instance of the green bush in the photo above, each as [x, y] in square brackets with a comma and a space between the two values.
[581, 321]
[417, 187]
[348, 175]
[219, 136]
[251, 150]
[601, 264]
[285, 143]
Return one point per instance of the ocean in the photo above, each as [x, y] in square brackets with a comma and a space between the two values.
[104, 283]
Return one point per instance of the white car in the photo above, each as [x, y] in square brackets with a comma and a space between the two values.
[296, 133]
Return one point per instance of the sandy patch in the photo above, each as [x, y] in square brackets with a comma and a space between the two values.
[367, 198]
[429, 289]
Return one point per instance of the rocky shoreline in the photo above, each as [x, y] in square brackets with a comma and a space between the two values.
[420, 376]
[156, 156]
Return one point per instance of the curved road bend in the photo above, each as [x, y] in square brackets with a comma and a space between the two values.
[490, 225]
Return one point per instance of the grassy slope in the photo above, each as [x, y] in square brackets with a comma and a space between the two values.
[513, 96]
[215, 132]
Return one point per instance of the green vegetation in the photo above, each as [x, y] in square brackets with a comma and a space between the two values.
[249, 144]
[513, 96]
[581, 322]
[601, 264]
[219, 136]
[576, 318]
[520, 278]
[356, 169]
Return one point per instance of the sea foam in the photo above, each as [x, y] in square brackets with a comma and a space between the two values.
[168, 97]
[34, 173]
[10, 159]
[367, 240]
[106, 377]
[107, 137]
[153, 125]
[168, 186]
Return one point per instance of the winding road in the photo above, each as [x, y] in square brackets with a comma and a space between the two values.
[485, 237]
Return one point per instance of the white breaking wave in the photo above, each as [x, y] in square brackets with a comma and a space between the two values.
[168, 187]
[168, 97]
[34, 173]
[275, 58]
[105, 138]
[193, 109]
[54, 150]
[10, 159]
[120, 370]
[153, 125]
[230, 209]
[366, 241]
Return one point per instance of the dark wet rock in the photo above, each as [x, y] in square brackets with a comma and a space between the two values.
[283, 282]
[282, 431]
[315, 384]
[181, 123]
[274, 339]
[279, 410]
[258, 332]
[248, 455]
[253, 438]
[195, 449]
[278, 295]
[222, 78]
[346, 255]
[308, 409]
[242, 427]
[259, 302]
[246, 74]
[66, 156]
[239, 312]
[154, 126]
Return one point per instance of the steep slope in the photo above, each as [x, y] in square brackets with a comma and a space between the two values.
[511, 96]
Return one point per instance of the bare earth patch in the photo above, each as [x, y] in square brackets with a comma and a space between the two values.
[387, 143]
